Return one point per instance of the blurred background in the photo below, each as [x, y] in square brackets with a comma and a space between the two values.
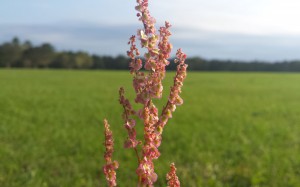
[238, 126]
[220, 29]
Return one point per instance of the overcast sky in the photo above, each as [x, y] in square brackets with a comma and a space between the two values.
[223, 29]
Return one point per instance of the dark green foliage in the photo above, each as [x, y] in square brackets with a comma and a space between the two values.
[38, 57]
[10, 53]
[15, 54]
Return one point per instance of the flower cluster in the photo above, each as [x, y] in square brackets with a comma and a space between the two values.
[135, 64]
[152, 141]
[129, 123]
[172, 178]
[174, 97]
[110, 166]
[148, 86]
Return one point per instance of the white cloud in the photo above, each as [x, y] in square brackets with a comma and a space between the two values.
[238, 16]
[112, 40]
[244, 29]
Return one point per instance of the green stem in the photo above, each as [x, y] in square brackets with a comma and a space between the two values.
[137, 155]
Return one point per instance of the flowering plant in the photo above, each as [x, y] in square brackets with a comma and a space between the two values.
[147, 86]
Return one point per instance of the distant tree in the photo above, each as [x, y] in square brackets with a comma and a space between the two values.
[82, 60]
[10, 53]
[109, 62]
[195, 63]
[38, 57]
[17, 54]
[15, 41]
[294, 66]
[62, 60]
[71, 60]
[98, 62]
[121, 62]
[27, 44]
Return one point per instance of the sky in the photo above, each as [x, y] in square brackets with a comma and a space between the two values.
[247, 30]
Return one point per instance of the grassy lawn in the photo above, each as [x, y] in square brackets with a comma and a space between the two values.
[234, 129]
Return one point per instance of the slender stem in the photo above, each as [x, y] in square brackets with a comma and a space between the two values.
[140, 182]
[137, 154]
[126, 115]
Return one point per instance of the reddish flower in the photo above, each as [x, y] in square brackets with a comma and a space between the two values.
[148, 86]
[146, 172]
[110, 166]
[131, 141]
[172, 178]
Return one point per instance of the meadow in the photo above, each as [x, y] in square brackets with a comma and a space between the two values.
[233, 130]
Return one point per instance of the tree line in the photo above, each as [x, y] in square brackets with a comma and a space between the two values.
[25, 55]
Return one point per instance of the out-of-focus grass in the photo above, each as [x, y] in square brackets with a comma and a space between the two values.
[234, 129]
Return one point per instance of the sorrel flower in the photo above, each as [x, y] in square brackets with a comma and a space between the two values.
[110, 166]
[172, 178]
[129, 123]
[148, 86]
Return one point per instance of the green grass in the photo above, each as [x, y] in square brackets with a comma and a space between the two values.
[234, 129]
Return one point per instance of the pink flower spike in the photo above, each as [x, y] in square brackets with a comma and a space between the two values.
[148, 71]
[131, 141]
[172, 178]
[110, 166]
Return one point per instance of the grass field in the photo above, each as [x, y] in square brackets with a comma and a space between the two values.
[234, 129]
